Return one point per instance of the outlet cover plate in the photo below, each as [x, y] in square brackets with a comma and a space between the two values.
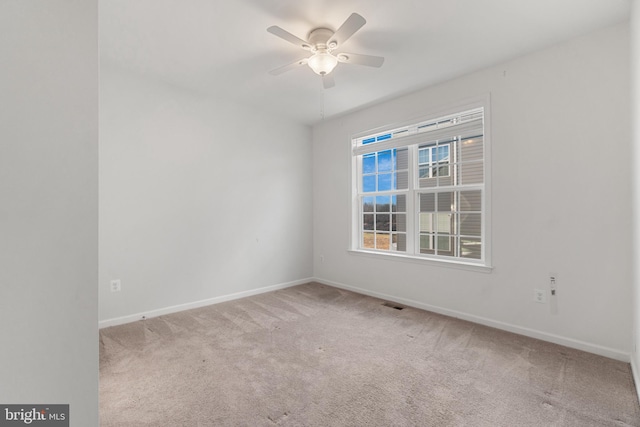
[540, 296]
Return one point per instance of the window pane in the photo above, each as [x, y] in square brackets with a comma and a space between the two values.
[384, 182]
[445, 245]
[382, 241]
[471, 173]
[427, 244]
[470, 224]
[426, 222]
[427, 202]
[394, 242]
[368, 183]
[383, 203]
[441, 170]
[443, 153]
[368, 241]
[445, 180]
[445, 202]
[367, 204]
[383, 222]
[423, 156]
[471, 149]
[401, 242]
[470, 248]
[470, 201]
[401, 201]
[369, 163]
[384, 161]
[424, 172]
[402, 180]
[402, 159]
[399, 222]
[367, 221]
[443, 223]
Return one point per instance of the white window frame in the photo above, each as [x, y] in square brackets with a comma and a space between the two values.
[403, 130]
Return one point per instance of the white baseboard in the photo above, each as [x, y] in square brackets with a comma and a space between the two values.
[556, 339]
[197, 304]
[636, 379]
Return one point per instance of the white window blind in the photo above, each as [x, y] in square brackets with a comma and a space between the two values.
[465, 124]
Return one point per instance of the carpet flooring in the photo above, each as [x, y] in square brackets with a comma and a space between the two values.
[314, 355]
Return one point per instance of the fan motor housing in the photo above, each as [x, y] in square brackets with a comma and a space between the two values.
[319, 37]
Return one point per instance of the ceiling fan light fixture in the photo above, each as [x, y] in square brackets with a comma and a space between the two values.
[322, 63]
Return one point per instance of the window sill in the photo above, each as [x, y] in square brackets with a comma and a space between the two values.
[461, 265]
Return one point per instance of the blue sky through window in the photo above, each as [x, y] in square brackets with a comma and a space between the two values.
[384, 182]
[384, 161]
[369, 183]
[377, 138]
[378, 171]
[369, 163]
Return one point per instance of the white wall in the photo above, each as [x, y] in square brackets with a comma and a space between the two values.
[199, 198]
[635, 160]
[561, 188]
[49, 205]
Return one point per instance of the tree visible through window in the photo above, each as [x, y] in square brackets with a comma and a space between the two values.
[420, 189]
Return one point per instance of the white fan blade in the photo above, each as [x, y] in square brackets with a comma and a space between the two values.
[327, 81]
[283, 34]
[288, 67]
[353, 23]
[356, 58]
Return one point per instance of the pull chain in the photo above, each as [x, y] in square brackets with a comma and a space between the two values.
[322, 104]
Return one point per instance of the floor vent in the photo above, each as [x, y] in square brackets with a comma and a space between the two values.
[393, 305]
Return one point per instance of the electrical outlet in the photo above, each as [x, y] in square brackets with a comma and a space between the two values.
[540, 296]
[116, 286]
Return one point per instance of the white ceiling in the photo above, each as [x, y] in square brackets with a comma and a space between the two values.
[222, 48]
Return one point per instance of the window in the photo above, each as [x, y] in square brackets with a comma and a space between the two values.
[419, 190]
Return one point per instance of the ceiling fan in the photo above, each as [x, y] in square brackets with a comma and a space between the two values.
[323, 43]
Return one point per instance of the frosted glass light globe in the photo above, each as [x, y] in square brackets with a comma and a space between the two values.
[322, 63]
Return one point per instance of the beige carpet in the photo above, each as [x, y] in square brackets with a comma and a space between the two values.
[313, 355]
